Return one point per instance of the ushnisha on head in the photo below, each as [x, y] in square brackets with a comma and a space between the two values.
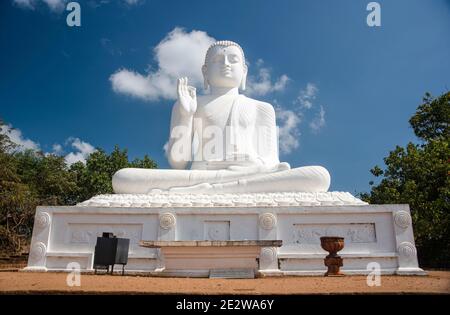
[225, 66]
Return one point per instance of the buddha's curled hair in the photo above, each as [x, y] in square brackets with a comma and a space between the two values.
[224, 43]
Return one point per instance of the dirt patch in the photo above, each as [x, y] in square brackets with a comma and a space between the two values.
[437, 282]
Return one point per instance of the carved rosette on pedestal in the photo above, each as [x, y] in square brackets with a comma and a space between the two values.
[268, 256]
[407, 250]
[42, 220]
[167, 226]
[167, 221]
[267, 221]
[37, 252]
[402, 219]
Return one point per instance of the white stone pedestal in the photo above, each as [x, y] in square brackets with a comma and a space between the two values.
[373, 233]
[230, 259]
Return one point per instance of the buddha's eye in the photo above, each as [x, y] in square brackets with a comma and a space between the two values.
[234, 58]
[217, 58]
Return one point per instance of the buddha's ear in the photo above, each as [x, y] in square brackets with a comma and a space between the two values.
[244, 79]
[205, 80]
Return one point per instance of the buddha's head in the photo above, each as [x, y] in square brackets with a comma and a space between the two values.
[225, 66]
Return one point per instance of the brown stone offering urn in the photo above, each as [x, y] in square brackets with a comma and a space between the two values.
[333, 261]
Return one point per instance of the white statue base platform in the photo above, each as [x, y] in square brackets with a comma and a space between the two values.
[373, 233]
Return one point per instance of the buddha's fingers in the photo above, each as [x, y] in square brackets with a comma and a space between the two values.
[185, 90]
[179, 88]
[192, 91]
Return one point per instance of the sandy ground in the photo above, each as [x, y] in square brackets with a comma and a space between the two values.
[31, 282]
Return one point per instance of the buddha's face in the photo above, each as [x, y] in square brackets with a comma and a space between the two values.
[225, 67]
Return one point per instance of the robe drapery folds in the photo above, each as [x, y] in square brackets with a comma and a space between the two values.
[249, 138]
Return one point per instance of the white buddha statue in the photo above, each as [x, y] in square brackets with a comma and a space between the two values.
[227, 140]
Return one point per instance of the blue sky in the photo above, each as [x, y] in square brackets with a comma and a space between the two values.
[344, 91]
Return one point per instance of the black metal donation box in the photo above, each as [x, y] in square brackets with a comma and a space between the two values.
[109, 251]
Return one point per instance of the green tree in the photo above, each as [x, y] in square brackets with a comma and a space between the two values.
[17, 202]
[95, 177]
[432, 118]
[47, 176]
[419, 175]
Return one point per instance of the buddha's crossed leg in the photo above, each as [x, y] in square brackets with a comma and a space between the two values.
[243, 180]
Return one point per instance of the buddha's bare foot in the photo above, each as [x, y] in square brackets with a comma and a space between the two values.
[283, 166]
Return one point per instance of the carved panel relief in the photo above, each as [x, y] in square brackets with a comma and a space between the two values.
[81, 233]
[353, 233]
[216, 230]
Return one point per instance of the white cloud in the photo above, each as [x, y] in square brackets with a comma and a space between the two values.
[25, 4]
[319, 121]
[147, 87]
[97, 3]
[178, 54]
[262, 84]
[74, 157]
[288, 129]
[306, 98]
[166, 148]
[15, 135]
[56, 5]
[81, 153]
[307, 95]
[60, 5]
[280, 84]
[57, 149]
[53, 5]
[290, 119]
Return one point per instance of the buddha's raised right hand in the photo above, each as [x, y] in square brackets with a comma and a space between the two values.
[187, 97]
